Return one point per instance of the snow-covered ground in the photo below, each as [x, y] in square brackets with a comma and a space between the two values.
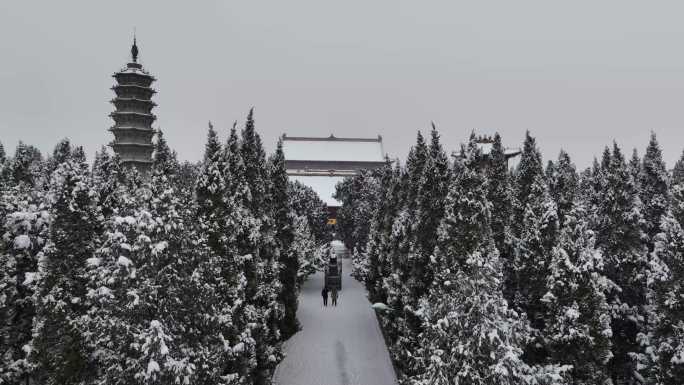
[341, 345]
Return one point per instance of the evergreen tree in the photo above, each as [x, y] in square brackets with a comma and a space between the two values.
[471, 336]
[619, 236]
[221, 219]
[114, 299]
[528, 171]
[26, 165]
[288, 260]
[531, 262]
[305, 248]
[58, 348]
[415, 167]
[678, 171]
[253, 161]
[263, 286]
[432, 193]
[164, 160]
[108, 176]
[578, 329]
[306, 203]
[499, 193]
[563, 185]
[371, 272]
[667, 334]
[4, 168]
[61, 153]
[25, 230]
[467, 217]
[404, 255]
[635, 168]
[357, 195]
[677, 191]
[653, 188]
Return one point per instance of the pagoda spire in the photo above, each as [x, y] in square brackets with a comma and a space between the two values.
[134, 50]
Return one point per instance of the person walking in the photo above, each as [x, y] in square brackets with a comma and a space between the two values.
[334, 295]
[324, 293]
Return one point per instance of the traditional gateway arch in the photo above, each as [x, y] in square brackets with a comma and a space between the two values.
[322, 162]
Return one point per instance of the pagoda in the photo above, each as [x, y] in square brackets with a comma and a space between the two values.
[133, 115]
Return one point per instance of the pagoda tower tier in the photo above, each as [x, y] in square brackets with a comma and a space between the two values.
[133, 117]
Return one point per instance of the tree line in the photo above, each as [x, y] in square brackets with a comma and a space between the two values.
[530, 275]
[187, 275]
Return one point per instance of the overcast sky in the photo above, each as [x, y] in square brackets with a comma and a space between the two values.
[578, 74]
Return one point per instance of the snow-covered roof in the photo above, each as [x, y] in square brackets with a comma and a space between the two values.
[486, 148]
[324, 186]
[333, 149]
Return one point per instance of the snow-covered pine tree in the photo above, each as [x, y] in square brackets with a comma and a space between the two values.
[5, 171]
[247, 236]
[432, 192]
[170, 288]
[528, 171]
[577, 330]
[210, 189]
[635, 169]
[563, 185]
[113, 316]
[306, 202]
[678, 170]
[253, 161]
[371, 272]
[159, 366]
[61, 153]
[667, 330]
[401, 242]
[471, 335]
[415, 166]
[25, 229]
[499, 193]
[287, 258]
[58, 347]
[305, 248]
[653, 188]
[677, 191]
[534, 226]
[531, 259]
[26, 165]
[3, 162]
[618, 222]
[466, 220]
[220, 220]
[550, 170]
[164, 160]
[263, 285]
[108, 179]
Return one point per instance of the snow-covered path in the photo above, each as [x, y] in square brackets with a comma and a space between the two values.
[341, 345]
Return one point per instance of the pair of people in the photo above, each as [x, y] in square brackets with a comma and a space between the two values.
[333, 295]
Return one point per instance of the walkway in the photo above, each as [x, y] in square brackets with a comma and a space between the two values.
[336, 346]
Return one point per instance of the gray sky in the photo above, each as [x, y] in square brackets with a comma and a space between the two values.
[578, 73]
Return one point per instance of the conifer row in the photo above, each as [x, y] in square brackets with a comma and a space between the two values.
[188, 275]
[530, 275]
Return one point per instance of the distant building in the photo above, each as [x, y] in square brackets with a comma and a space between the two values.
[485, 144]
[133, 115]
[321, 163]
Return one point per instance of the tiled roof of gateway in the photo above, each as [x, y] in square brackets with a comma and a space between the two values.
[333, 149]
